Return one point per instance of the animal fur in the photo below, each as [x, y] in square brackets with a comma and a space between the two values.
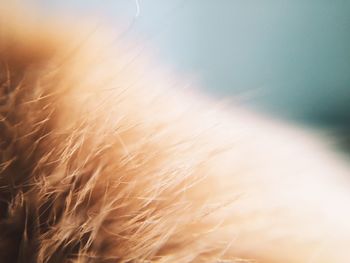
[103, 161]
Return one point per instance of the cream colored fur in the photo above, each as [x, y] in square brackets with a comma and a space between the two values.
[104, 159]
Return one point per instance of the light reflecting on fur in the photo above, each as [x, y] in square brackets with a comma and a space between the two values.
[104, 160]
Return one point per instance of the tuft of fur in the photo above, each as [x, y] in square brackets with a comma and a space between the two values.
[103, 161]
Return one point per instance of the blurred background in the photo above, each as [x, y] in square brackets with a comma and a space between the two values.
[290, 58]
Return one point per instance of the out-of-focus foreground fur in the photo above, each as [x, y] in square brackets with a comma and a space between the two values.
[102, 162]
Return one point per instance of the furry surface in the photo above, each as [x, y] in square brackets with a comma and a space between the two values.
[103, 161]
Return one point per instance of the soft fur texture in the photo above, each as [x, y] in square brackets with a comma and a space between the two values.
[103, 161]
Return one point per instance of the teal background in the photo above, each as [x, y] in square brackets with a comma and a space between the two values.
[289, 58]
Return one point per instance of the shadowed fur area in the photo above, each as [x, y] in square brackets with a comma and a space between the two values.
[104, 158]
